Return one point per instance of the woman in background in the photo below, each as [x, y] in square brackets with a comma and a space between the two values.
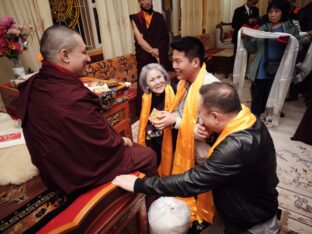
[158, 94]
[265, 50]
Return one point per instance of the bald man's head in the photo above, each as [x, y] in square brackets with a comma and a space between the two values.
[56, 38]
[65, 47]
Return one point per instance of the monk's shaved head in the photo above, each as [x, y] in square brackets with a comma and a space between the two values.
[56, 38]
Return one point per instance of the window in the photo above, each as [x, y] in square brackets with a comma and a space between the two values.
[80, 15]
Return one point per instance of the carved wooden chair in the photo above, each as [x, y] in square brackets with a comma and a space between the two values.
[224, 34]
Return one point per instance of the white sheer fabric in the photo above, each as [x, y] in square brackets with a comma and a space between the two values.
[191, 17]
[175, 18]
[211, 18]
[115, 27]
[36, 13]
[133, 6]
[282, 78]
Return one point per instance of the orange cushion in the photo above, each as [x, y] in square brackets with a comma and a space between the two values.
[122, 68]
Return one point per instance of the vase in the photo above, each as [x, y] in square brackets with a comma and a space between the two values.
[17, 68]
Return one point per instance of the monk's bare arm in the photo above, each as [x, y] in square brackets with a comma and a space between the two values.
[142, 42]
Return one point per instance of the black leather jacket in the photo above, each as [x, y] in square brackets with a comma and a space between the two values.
[241, 172]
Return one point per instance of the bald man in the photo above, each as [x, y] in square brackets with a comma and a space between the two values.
[240, 168]
[68, 138]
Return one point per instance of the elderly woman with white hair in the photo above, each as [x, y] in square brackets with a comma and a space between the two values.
[158, 96]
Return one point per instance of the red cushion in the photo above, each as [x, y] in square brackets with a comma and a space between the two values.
[228, 34]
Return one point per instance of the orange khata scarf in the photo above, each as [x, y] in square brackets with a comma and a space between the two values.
[184, 153]
[244, 119]
[147, 18]
[165, 166]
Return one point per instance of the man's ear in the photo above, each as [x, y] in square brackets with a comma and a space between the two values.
[64, 55]
[196, 62]
[215, 115]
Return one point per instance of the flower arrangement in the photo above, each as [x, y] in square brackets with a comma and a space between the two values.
[13, 38]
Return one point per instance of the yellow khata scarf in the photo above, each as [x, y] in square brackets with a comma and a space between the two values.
[165, 167]
[244, 119]
[184, 153]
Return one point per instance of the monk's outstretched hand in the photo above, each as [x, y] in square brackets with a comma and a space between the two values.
[127, 141]
[125, 181]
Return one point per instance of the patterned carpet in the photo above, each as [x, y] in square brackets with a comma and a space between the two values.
[294, 160]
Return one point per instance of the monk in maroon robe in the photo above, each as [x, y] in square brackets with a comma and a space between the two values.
[151, 41]
[69, 139]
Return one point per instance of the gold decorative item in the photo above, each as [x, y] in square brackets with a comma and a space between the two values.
[65, 12]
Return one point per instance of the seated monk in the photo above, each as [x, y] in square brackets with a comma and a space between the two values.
[69, 140]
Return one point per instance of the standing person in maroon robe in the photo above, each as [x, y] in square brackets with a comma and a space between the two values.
[68, 138]
[151, 41]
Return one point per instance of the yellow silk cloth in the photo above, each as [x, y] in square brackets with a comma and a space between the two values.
[243, 120]
[165, 166]
[184, 154]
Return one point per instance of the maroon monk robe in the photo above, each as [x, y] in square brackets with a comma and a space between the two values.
[68, 138]
[158, 37]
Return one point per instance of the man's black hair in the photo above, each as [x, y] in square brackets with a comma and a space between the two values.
[191, 46]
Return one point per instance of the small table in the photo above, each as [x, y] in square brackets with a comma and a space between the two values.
[118, 116]
[222, 62]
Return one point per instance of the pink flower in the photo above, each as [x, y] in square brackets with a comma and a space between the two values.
[14, 31]
[3, 42]
[24, 37]
[2, 32]
[6, 22]
[13, 37]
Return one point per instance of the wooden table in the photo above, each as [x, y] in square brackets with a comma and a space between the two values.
[9, 97]
[119, 117]
[221, 62]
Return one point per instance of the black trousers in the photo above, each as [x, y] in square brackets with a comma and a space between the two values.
[260, 90]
